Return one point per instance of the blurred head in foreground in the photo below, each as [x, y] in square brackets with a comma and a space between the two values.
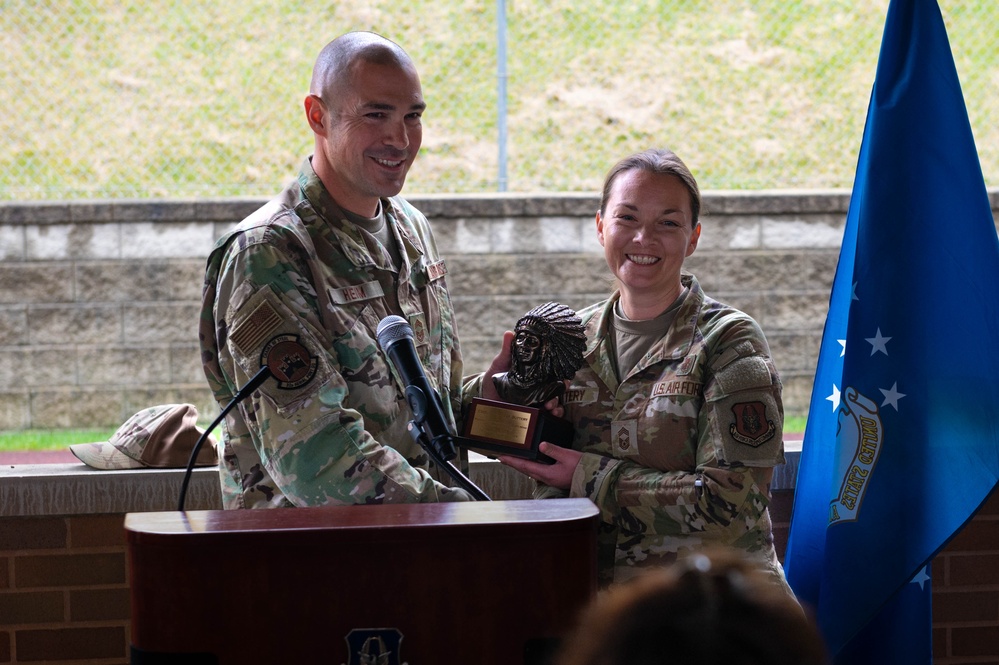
[710, 608]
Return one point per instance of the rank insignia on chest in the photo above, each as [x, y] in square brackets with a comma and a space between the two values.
[624, 437]
[419, 328]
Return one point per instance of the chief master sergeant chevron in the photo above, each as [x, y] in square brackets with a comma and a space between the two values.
[301, 284]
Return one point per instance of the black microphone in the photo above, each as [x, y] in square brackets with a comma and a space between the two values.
[395, 337]
[255, 382]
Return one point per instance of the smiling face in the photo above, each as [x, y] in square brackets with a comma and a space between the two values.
[369, 135]
[646, 231]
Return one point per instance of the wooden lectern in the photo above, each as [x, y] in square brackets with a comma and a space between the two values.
[425, 584]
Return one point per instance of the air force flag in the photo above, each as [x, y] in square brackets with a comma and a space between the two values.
[902, 441]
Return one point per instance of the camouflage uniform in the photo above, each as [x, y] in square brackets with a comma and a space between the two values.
[680, 453]
[300, 288]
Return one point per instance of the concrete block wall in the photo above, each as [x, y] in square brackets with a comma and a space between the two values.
[99, 307]
[99, 300]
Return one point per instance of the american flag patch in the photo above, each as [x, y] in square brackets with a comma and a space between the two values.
[254, 329]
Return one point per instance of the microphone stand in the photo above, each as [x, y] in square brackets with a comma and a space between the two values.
[262, 375]
[437, 456]
[440, 448]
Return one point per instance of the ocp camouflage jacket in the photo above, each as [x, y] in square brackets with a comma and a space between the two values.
[296, 286]
[680, 453]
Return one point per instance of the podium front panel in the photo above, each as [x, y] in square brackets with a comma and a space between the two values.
[478, 582]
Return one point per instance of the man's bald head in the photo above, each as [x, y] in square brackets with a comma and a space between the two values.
[332, 68]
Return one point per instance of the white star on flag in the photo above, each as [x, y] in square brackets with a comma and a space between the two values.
[834, 398]
[892, 395]
[879, 343]
[920, 578]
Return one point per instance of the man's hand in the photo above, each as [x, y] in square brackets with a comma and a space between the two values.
[557, 475]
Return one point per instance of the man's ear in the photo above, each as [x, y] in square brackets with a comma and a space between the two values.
[315, 113]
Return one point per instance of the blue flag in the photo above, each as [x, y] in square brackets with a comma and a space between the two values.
[902, 441]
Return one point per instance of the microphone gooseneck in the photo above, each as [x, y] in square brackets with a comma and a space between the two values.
[255, 382]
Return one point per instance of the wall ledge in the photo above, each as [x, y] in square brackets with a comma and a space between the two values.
[30, 490]
[491, 204]
[33, 490]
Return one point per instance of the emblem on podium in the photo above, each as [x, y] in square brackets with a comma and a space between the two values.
[374, 646]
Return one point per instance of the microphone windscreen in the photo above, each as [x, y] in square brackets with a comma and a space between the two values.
[391, 329]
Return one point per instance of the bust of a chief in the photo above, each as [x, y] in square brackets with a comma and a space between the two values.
[547, 349]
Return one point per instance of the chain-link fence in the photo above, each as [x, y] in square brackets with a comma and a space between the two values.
[181, 98]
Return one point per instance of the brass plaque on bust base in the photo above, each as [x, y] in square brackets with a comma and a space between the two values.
[495, 428]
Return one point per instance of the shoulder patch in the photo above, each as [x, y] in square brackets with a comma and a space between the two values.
[255, 328]
[289, 361]
[751, 425]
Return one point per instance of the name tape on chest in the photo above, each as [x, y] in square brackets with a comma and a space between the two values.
[677, 387]
[348, 294]
[580, 395]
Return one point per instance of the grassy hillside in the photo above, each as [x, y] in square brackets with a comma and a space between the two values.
[104, 98]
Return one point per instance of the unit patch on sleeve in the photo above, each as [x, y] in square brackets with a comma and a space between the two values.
[289, 361]
[751, 425]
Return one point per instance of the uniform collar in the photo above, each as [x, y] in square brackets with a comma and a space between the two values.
[348, 235]
[679, 337]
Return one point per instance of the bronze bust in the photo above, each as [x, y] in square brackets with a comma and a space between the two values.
[547, 350]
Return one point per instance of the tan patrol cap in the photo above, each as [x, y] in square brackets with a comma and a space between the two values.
[160, 437]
